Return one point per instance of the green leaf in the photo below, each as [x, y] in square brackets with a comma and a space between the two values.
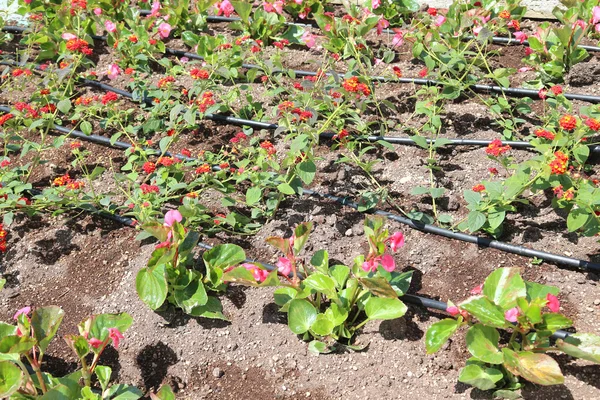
[103, 373]
[123, 392]
[539, 291]
[577, 218]
[384, 308]
[151, 286]
[482, 342]
[581, 153]
[301, 316]
[379, 286]
[480, 377]
[253, 195]
[485, 311]
[284, 295]
[554, 321]
[317, 347]
[86, 127]
[336, 314]
[101, 323]
[321, 283]
[322, 326]
[192, 296]
[320, 260]
[472, 197]
[581, 345]
[243, 9]
[164, 393]
[64, 106]
[306, 170]
[535, 367]
[439, 333]
[504, 286]
[475, 220]
[340, 274]
[79, 344]
[11, 378]
[286, 189]
[45, 322]
[223, 256]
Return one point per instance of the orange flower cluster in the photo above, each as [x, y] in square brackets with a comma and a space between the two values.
[5, 118]
[559, 164]
[542, 133]
[79, 45]
[66, 180]
[568, 122]
[198, 73]
[165, 81]
[2, 239]
[268, 146]
[496, 149]
[353, 85]
[206, 101]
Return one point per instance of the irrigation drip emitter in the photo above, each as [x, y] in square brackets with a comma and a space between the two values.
[408, 298]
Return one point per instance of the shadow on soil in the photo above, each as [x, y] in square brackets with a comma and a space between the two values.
[154, 362]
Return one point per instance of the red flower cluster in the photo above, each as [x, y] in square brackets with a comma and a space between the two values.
[223, 46]
[147, 189]
[432, 11]
[353, 85]
[19, 72]
[133, 39]
[423, 73]
[5, 118]
[108, 97]
[397, 71]
[268, 146]
[350, 19]
[79, 45]
[504, 14]
[303, 116]
[556, 89]
[241, 40]
[341, 135]
[165, 81]
[197, 73]
[496, 149]
[478, 188]
[149, 167]
[186, 152]
[203, 169]
[31, 113]
[559, 164]
[86, 101]
[4, 163]
[568, 122]
[281, 44]
[166, 161]
[592, 123]
[206, 101]
[239, 137]
[2, 239]
[77, 5]
[66, 180]
[542, 133]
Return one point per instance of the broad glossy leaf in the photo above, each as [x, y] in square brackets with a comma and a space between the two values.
[336, 314]
[504, 286]
[213, 309]
[192, 296]
[539, 291]
[485, 311]
[384, 308]
[581, 345]
[320, 260]
[480, 377]
[45, 322]
[379, 286]
[554, 321]
[340, 274]
[223, 256]
[535, 367]
[318, 347]
[164, 393]
[11, 378]
[103, 374]
[439, 333]
[322, 325]
[301, 316]
[101, 323]
[321, 283]
[482, 342]
[151, 286]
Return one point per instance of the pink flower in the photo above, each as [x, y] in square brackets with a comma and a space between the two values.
[308, 39]
[528, 51]
[477, 289]
[276, 7]
[388, 263]
[542, 93]
[95, 343]
[381, 25]
[172, 216]
[398, 38]
[453, 310]
[298, 1]
[116, 336]
[512, 314]
[375, 4]
[225, 8]
[525, 69]
[68, 36]
[113, 71]
[110, 26]
[520, 36]
[284, 266]
[439, 21]
[24, 310]
[259, 274]
[396, 241]
[27, 1]
[595, 15]
[553, 303]
[155, 8]
[164, 30]
[477, 30]
[370, 265]
[97, 11]
[579, 23]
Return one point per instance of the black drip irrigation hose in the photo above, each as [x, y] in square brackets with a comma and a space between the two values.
[480, 241]
[408, 298]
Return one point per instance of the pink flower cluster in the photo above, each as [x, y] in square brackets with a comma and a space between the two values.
[396, 241]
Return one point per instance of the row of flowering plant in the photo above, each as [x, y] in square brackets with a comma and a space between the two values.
[23, 347]
[327, 304]
[531, 313]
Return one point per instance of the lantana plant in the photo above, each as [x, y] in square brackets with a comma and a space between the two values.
[328, 304]
[531, 313]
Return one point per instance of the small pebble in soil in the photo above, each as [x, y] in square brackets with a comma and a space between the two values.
[597, 302]
[218, 372]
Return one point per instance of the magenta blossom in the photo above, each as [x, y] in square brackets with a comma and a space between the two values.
[396, 241]
[164, 30]
[477, 289]
[284, 266]
[370, 265]
[225, 8]
[520, 36]
[512, 314]
[95, 343]
[439, 21]
[97, 11]
[113, 71]
[259, 274]
[595, 15]
[276, 7]
[172, 216]
[68, 36]
[24, 310]
[309, 39]
[381, 25]
[528, 51]
[375, 4]
[453, 310]
[154, 11]
[116, 336]
[553, 303]
[525, 69]
[388, 263]
[110, 26]
[398, 38]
